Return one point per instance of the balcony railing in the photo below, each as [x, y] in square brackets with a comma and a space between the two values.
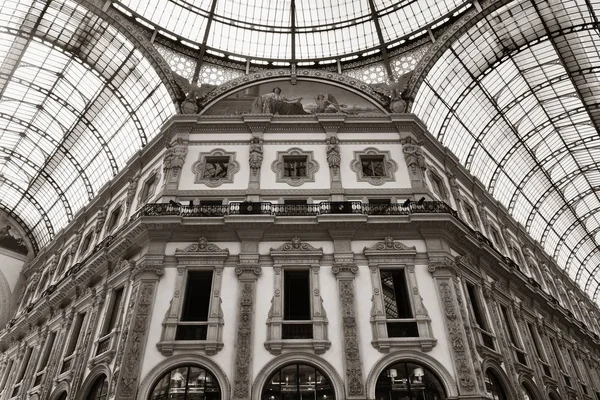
[267, 208]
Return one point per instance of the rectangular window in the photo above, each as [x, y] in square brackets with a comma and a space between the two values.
[147, 189]
[6, 374]
[437, 184]
[114, 219]
[380, 201]
[397, 304]
[211, 202]
[479, 314]
[22, 370]
[86, 243]
[373, 166]
[557, 354]
[296, 305]
[114, 314]
[77, 325]
[196, 304]
[43, 362]
[215, 167]
[49, 345]
[539, 351]
[495, 236]
[294, 166]
[513, 335]
[470, 212]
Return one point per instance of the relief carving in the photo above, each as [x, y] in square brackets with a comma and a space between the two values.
[256, 154]
[203, 247]
[354, 377]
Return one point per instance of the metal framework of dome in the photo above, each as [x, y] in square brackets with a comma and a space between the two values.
[77, 100]
[516, 98]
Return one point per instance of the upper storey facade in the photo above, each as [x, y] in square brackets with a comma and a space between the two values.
[404, 256]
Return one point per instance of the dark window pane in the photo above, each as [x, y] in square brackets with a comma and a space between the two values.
[395, 295]
[294, 167]
[216, 167]
[296, 296]
[373, 166]
[197, 296]
[477, 311]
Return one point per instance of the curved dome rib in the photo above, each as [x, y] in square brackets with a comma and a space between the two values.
[77, 100]
[516, 99]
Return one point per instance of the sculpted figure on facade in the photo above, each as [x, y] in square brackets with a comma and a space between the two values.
[256, 154]
[483, 214]
[131, 189]
[415, 160]
[76, 241]
[101, 218]
[333, 154]
[175, 153]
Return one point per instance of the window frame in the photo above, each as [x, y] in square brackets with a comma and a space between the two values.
[201, 256]
[290, 256]
[392, 255]
[148, 187]
[278, 167]
[199, 168]
[439, 187]
[69, 350]
[479, 314]
[390, 166]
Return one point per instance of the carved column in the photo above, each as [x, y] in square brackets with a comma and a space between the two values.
[446, 282]
[344, 274]
[145, 280]
[247, 272]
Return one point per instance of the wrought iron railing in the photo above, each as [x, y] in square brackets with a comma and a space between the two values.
[267, 208]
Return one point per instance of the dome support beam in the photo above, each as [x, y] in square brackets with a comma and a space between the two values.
[200, 58]
[382, 46]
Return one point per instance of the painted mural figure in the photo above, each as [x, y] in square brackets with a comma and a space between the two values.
[276, 103]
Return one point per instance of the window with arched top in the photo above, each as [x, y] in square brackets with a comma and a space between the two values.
[493, 386]
[298, 382]
[408, 381]
[63, 396]
[186, 382]
[99, 390]
[527, 392]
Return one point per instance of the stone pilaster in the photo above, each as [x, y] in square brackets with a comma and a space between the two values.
[415, 161]
[353, 374]
[255, 159]
[173, 160]
[444, 275]
[146, 275]
[247, 272]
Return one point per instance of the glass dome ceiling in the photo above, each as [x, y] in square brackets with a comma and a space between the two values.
[77, 100]
[517, 99]
[291, 29]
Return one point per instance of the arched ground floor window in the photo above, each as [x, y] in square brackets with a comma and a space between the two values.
[186, 382]
[99, 390]
[408, 381]
[493, 386]
[298, 382]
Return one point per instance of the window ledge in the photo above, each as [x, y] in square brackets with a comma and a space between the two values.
[412, 343]
[210, 347]
[319, 346]
[485, 351]
[522, 368]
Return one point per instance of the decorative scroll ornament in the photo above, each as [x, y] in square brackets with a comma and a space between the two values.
[389, 244]
[155, 266]
[296, 245]
[203, 247]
